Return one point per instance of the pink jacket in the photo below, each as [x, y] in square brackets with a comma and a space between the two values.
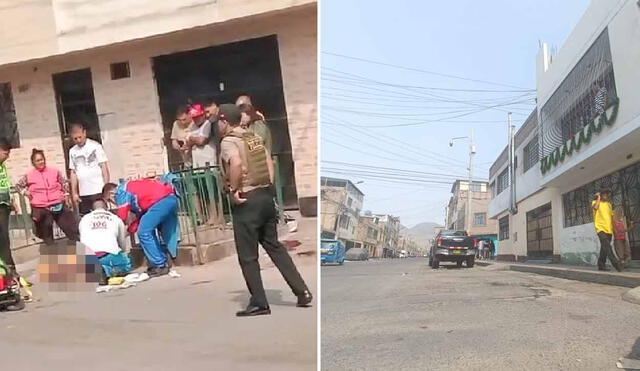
[47, 187]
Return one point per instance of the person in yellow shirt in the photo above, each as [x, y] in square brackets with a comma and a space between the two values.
[603, 222]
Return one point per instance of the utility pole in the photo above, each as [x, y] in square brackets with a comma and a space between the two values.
[472, 152]
[512, 168]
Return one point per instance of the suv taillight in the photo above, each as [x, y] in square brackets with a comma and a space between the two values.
[475, 242]
[439, 241]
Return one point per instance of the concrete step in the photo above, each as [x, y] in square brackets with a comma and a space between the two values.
[623, 279]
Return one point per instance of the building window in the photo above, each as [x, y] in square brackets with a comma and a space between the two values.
[476, 187]
[623, 184]
[503, 228]
[480, 219]
[503, 180]
[344, 222]
[492, 186]
[531, 155]
[336, 183]
[8, 120]
[120, 71]
[583, 95]
[349, 201]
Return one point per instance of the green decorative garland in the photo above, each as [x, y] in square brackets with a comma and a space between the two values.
[580, 138]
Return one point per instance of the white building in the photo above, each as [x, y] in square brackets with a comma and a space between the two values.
[583, 137]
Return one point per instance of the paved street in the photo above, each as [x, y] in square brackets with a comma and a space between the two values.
[402, 315]
[185, 323]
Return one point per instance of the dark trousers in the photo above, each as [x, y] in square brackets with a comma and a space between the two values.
[606, 251]
[5, 241]
[86, 203]
[255, 221]
[44, 218]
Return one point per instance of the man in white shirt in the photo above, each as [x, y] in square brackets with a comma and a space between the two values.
[104, 234]
[89, 169]
[201, 140]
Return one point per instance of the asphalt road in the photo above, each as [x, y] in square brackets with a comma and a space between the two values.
[185, 323]
[402, 315]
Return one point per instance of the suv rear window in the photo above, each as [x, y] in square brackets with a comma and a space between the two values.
[454, 233]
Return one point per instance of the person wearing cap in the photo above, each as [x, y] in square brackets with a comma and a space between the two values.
[200, 140]
[248, 170]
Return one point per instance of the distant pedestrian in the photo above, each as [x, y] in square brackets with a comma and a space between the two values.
[248, 170]
[620, 243]
[603, 222]
[492, 249]
[48, 193]
[481, 247]
[89, 169]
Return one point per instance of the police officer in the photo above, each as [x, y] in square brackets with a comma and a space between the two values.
[249, 174]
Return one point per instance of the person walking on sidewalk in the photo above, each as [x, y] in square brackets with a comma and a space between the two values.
[620, 243]
[248, 171]
[48, 193]
[89, 169]
[603, 222]
[155, 206]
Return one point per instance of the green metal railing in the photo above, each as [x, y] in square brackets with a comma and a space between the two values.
[204, 205]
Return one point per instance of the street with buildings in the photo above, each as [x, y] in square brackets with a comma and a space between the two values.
[556, 210]
[403, 315]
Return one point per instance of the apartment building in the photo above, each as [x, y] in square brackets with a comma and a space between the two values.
[457, 217]
[370, 235]
[341, 203]
[583, 137]
[390, 235]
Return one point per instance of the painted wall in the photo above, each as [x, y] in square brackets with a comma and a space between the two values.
[41, 28]
[128, 109]
[623, 20]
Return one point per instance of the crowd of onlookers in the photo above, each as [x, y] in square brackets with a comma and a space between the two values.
[147, 207]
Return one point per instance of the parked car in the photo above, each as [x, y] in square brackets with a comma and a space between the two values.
[403, 254]
[331, 251]
[357, 253]
[453, 246]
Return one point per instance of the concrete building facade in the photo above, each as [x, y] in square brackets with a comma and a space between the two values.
[582, 138]
[391, 235]
[341, 204]
[370, 235]
[481, 226]
[117, 48]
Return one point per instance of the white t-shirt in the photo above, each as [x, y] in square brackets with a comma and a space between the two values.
[103, 231]
[207, 153]
[86, 162]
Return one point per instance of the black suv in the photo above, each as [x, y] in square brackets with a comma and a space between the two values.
[453, 246]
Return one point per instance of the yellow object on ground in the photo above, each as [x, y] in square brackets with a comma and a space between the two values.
[116, 281]
[24, 286]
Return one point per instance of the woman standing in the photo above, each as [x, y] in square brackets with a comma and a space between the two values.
[48, 193]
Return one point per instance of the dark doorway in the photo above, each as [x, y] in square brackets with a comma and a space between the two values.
[630, 180]
[222, 73]
[75, 103]
[540, 233]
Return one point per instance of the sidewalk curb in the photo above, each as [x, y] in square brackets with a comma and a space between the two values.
[604, 278]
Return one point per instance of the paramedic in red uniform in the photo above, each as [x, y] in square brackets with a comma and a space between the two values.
[154, 204]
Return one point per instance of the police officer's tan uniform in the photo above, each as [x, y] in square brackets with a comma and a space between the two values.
[255, 220]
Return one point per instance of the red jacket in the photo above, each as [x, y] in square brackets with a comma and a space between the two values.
[137, 196]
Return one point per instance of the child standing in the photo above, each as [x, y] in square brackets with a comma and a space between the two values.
[620, 242]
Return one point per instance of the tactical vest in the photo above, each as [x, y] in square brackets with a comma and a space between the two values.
[256, 157]
[5, 186]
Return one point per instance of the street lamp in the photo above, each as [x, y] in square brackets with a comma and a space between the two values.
[472, 152]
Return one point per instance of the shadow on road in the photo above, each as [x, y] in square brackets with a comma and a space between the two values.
[273, 296]
[635, 350]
